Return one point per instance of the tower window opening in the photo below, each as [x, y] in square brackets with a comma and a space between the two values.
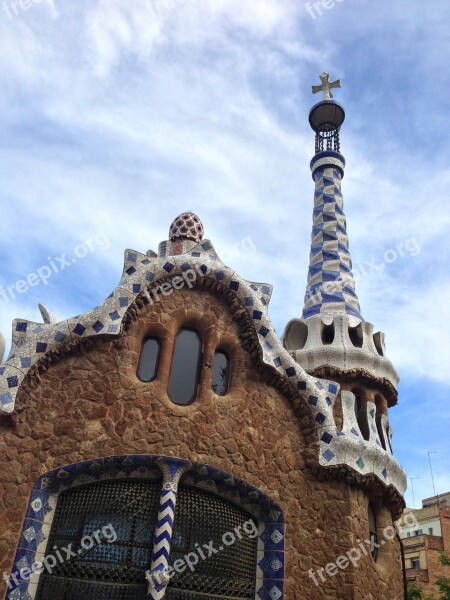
[220, 373]
[378, 343]
[373, 536]
[361, 416]
[381, 432]
[185, 370]
[389, 440]
[356, 335]
[379, 423]
[328, 334]
[296, 336]
[149, 359]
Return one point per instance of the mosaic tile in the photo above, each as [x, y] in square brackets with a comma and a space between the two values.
[133, 467]
[329, 258]
[39, 505]
[271, 537]
[270, 565]
[269, 589]
[32, 536]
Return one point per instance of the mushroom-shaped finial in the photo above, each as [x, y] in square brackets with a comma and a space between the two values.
[186, 226]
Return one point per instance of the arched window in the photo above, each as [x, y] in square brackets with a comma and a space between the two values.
[204, 520]
[149, 359]
[373, 536]
[185, 367]
[220, 373]
[109, 526]
[109, 538]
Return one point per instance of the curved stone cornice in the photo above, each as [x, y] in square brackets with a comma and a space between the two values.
[352, 348]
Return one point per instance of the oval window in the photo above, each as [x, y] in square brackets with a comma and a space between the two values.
[148, 362]
[220, 373]
[185, 367]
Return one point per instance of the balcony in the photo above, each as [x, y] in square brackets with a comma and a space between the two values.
[417, 575]
[420, 542]
[414, 544]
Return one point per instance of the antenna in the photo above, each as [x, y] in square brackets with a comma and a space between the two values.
[432, 478]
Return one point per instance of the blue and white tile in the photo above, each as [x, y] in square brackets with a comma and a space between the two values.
[271, 537]
[270, 565]
[269, 589]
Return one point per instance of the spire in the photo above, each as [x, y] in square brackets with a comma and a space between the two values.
[331, 288]
[332, 340]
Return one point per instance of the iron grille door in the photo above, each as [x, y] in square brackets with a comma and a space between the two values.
[110, 570]
[230, 572]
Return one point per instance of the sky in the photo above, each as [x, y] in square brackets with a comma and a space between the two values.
[117, 115]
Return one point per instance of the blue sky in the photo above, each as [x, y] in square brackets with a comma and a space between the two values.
[115, 116]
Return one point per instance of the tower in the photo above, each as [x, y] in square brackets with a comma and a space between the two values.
[331, 339]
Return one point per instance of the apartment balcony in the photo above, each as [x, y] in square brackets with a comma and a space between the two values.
[417, 575]
[422, 542]
[414, 544]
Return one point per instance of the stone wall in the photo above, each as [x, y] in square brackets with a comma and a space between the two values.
[381, 578]
[91, 404]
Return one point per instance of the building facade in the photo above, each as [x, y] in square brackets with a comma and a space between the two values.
[424, 542]
[169, 444]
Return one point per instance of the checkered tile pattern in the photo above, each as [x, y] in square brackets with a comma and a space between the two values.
[164, 527]
[331, 287]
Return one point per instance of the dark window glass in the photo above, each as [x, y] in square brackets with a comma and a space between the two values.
[373, 532]
[110, 564]
[185, 367]
[220, 373]
[202, 518]
[148, 362]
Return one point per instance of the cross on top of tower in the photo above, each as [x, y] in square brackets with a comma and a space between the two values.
[326, 86]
